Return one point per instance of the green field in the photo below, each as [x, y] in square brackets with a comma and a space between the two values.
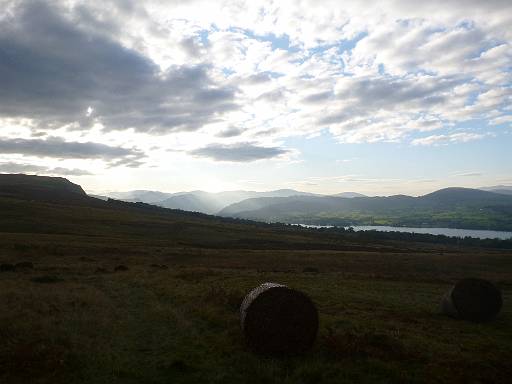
[72, 319]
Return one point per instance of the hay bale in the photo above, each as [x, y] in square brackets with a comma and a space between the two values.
[24, 265]
[7, 267]
[277, 320]
[159, 266]
[46, 279]
[473, 300]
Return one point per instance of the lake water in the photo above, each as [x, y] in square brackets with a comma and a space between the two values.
[454, 232]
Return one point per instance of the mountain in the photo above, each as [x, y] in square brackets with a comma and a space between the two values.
[194, 202]
[458, 196]
[143, 196]
[100, 197]
[349, 194]
[49, 207]
[502, 189]
[41, 188]
[269, 209]
[449, 207]
[199, 201]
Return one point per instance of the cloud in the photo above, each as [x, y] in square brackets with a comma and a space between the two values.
[12, 167]
[502, 120]
[58, 148]
[363, 73]
[462, 137]
[58, 74]
[240, 152]
[230, 132]
[469, 174]
[344, 161]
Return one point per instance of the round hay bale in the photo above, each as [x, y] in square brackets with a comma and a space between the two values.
[6, 267]
[473, 300]
[24, 265]
[277, 320]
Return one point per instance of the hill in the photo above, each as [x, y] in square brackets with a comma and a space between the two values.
[143, 196]
[120, 292]
[449, 207]
[503, 189]
[349, 194]
[48, 205]
[41, 188]
[199, 201]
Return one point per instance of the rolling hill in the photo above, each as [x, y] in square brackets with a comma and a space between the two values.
[349, 194]
[502, 189]
[39, 206]
[199, 201]
[42, 188]
[143, 196]
[450, 207]
[123, 292]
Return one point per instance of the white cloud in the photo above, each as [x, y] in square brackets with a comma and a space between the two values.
[502, 120]
[239, 152]
[190, 76]
[462, 137]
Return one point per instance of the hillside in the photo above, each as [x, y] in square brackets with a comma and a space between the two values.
[349, 194]
[41, 188]
[120, 292]
[450, 207]
[45, 205]
[503, 189]
[199, 201]
[143, 196]
[64, 208]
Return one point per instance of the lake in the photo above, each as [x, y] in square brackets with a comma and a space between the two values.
[453, 232]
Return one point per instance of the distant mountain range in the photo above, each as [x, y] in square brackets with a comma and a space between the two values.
[503, 189]
[485, 208]
[449, 207]
[200, 201]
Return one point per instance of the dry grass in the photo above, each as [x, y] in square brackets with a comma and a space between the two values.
[181, 324]
[73, 319]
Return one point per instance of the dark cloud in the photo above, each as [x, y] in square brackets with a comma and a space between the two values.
[231, 132]
[266, 132]
[367, 95]
[240, 152]
[60, 149]
[334, 118]
[259, 78]
[52, 70]
[11, 167]
[275, 96]
[38, 134]
[318, 97]
[387, 92]
[192, 46]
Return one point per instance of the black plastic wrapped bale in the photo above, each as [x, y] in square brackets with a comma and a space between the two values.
[473, 300]
[277, 320]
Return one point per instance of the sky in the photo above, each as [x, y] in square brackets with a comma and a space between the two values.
[393, 97]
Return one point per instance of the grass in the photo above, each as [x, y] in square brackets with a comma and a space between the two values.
[73, 319]
[181, 325]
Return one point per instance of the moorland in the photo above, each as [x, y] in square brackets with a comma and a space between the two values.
[117, 292]
[463, 208]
